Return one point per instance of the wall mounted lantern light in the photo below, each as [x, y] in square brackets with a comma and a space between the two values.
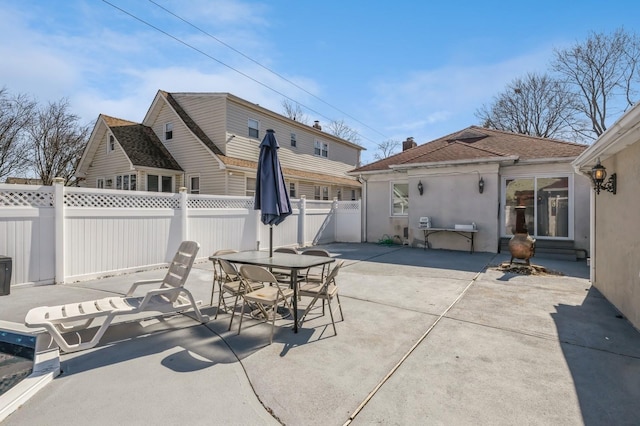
[598, 175]
[481, 185]
[420, 187]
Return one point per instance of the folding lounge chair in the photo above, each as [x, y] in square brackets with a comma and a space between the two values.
[169, 297]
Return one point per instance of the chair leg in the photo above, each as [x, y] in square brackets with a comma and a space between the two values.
[241, 315]
[273, 320]
[233, 313]
[331, 313]
[340, 306]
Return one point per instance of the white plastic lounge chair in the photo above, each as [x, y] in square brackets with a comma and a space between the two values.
[169, 297]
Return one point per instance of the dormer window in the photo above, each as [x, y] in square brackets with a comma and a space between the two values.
[168, 131]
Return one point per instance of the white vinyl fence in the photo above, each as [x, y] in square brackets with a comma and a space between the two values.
[58, 234]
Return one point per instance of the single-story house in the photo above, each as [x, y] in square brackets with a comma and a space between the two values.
[614, 211]
[209, 143]
[479, 176]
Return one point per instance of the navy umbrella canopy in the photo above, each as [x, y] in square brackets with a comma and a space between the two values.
[272, 198]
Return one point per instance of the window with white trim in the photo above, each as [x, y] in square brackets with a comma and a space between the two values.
[111, 144]
[159, 183]
[251, 187]
[294, 141]
[168, 131]
[100, 183]
[321, 149]
[254, 128]
[353, 195]
[126, 182]
[194, 184]
[399, 199]
[321, 192]
[292, 190]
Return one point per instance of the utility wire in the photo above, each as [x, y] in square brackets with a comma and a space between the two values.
[266, 68]
[220, 62]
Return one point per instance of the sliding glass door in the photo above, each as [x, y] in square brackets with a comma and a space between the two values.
[547, 205]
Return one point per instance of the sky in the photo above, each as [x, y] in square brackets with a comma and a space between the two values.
[390, 70]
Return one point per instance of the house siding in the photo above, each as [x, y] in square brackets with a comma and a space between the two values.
[616, 239]
[106, 164]
[191, 154]
[209, 113]
[342, 158]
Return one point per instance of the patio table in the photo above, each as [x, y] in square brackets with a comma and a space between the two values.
[292, 262]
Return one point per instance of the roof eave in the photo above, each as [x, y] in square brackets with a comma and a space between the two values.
[623, 133]
[433, 164]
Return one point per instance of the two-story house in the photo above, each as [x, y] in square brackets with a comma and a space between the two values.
[209, 143]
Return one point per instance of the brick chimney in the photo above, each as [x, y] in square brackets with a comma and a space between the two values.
[409, 143]
[316, 125]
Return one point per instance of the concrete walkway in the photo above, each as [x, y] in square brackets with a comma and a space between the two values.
[429, 337]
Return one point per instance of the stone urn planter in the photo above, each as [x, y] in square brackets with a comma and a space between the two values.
[522, 245]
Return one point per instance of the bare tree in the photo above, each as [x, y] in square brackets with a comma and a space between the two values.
[535, 105]
[386, 149]
[342, 130]
[56, 142]
[294, 111]
[16, 112]
[602, 72]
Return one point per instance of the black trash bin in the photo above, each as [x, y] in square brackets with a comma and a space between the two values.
[5, 275]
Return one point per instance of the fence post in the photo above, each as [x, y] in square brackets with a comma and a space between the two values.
[302, 220]
[334, 211]
[184, 222]
[58, 203]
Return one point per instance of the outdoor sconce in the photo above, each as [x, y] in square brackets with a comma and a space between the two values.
[481, 185]
[420, 187]
[599, 174]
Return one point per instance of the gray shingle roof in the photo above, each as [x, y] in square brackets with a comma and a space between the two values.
[141, 144]
[478, 143]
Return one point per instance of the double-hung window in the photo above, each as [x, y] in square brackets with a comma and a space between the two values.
[194, 184]
[321, 149]
[254, 128]
[168, 131]
[292, 190]
[111, 145]
[399, 199]
[158, 183]
[294, 142]
[126, 182]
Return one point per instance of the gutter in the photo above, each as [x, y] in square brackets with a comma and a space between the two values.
[613, 140]
[434, 164]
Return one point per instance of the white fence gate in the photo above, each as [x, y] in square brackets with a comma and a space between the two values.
[58, 234]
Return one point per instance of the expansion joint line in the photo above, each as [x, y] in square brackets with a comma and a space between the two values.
[415, 345]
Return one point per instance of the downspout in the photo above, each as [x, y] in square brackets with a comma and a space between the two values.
[363, 209]
[592, 230]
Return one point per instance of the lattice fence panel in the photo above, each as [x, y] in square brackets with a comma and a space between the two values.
[84, 199]
[26, 198]
[348, 205]
[220, 203]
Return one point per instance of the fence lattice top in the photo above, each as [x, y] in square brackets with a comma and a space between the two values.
[26, 198]
[82, 199]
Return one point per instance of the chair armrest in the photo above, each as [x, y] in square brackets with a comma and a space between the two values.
[138, 283]
[155, 292]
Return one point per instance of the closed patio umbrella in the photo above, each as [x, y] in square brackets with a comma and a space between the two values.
[271, 198]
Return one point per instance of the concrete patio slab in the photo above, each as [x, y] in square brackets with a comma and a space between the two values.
[429, 336]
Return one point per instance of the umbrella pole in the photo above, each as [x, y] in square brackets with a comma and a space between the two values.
[270, 240]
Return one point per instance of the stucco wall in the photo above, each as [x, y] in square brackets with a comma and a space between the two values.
[617, 264]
